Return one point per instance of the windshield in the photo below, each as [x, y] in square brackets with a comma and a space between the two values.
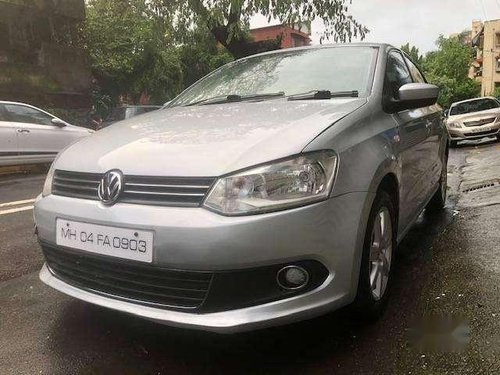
[294, 72]
[473, 106]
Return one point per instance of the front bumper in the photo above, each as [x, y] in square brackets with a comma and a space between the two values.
[329, 232]
[476, 132]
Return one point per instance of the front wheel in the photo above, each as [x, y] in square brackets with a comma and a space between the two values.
[377, 259]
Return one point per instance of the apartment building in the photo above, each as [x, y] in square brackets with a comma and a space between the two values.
[486, 65]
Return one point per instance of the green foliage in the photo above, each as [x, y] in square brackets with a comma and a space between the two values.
[156, 48]
[129, 55]
[200, 55]
[413, 53]
[448, 67]
[228, 20]
[496, 93]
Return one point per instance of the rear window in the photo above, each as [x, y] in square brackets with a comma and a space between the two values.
[473, 106]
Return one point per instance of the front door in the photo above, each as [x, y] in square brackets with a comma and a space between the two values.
[38, 139]
[8, 140]
[414, 132]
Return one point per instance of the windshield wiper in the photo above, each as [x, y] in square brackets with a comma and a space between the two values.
[324, 94]
[236, 98]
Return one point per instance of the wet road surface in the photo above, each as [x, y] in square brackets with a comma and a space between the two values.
[448, 266]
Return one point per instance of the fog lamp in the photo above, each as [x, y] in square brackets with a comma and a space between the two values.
[292, 277]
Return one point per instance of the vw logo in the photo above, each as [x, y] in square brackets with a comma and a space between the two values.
[110, 187]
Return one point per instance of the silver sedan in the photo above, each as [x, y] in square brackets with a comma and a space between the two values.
[30, 135]
[473, 119]
[275, 189]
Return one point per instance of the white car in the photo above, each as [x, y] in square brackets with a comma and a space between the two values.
[29, 135]
[473, 119]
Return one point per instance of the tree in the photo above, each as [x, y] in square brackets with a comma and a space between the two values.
[129, 55]
[200, 55]
[448, 67]
[413, 53]
[228, 20]
[135, 52]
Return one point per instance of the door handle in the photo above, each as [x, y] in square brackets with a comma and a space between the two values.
[23, 131]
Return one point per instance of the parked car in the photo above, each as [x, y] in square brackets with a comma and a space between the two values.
[473, 119]
[127, 111]
[30, 135]
[273, 190]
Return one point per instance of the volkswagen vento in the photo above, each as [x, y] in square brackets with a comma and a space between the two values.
[273, 190]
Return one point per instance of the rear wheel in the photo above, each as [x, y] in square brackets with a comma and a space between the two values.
[438, 200]
[377, 259]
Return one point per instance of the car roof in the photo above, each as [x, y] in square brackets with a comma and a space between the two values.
[9, 102]
[322, 46]
[473, 99]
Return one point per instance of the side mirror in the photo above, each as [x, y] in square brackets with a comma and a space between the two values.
[414, 95]
[58, 122]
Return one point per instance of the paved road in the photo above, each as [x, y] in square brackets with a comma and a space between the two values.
[448, 265]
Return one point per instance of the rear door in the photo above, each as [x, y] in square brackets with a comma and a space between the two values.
[413, 136]
[8, 139]
[38, 139]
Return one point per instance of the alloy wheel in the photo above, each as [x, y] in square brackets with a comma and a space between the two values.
[380, 253]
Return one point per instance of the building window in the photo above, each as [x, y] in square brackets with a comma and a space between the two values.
[497, 39]
[497, 64]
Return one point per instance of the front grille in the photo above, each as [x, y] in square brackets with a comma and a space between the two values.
[485, 133]
[480, 122]
[165, 191]
[126, 280]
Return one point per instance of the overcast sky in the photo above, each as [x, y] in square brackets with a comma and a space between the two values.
[419, 22]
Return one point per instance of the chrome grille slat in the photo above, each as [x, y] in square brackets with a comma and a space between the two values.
[61, 185]
[75, 180]
[147, 190]
[164, 193]
[167, 186]
[480, 122]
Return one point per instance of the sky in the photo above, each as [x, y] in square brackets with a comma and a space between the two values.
[419, 22]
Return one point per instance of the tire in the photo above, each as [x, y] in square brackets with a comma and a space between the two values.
[438, 200]
[453, 144]
[373, 288]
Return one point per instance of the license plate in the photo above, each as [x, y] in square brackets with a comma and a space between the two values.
[112, 241]
[477, 130]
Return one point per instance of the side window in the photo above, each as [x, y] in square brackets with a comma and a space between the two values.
[415, 73]
[21, 113]
[3, 115]
[396, 75]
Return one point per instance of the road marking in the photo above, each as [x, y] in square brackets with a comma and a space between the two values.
[14, 210]
[17, 203]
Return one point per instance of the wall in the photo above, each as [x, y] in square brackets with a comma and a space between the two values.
[290, 37]
[40, 62]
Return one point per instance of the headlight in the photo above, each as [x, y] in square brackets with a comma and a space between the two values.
[283, 184]
[454, 125]
[47, 186]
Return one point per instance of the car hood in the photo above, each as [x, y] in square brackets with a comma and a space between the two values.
[475, 115]
[209, 140]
